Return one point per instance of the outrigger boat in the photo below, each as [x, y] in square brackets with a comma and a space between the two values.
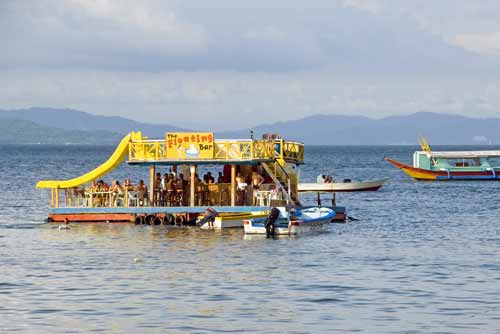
[304, 220]
[451, 165]
[274, 158]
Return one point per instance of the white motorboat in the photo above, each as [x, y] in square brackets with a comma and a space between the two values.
[304, 220]
[372, 185]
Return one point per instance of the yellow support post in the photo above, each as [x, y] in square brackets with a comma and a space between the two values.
[192, 171]
[57, 197]
[152, 171]
[233, 185]
[126, 198]
[52, 199]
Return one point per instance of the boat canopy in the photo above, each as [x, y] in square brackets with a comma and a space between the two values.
[461, 154]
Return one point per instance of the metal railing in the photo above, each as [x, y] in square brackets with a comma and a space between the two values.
[225, 150]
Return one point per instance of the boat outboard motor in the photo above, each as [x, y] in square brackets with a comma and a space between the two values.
[270, 220]
[209, 217]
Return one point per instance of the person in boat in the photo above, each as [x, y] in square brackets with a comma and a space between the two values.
[117, 193]
[270, 221]
[142, 192]
[320, 178]
[328, 179]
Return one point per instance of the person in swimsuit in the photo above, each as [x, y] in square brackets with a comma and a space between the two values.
[257, 181]
[116, 192]
[142, 192]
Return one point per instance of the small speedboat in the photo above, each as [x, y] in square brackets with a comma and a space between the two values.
[304, 220]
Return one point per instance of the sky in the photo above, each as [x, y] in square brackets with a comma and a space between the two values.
[225, 64]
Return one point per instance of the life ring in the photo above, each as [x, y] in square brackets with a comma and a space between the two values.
[179, 220]
[168, 219]
[156, 221]
[149, 219]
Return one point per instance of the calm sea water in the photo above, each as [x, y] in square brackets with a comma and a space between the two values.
[422, 258]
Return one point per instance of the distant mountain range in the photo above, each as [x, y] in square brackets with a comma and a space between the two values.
[47, 125]
[71, 119]
[442, 129]
[27, 132]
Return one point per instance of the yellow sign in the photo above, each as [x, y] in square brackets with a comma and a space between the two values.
[190, 145]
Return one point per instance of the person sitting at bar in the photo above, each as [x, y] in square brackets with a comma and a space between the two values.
[157, 190]
[117, 193]
[142, 192]
[210, 178]
[103, 186]
[220, 178]
[89, 192]
[129, 189]
[163, 189]
[241, 186]
[102, 189]
[257, 181]
[170, 194]
[127, 184]
[180, 185]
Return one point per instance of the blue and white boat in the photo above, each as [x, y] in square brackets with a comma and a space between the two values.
[304, 220]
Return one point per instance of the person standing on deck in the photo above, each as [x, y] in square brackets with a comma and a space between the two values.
[142, 192]
[257, 181]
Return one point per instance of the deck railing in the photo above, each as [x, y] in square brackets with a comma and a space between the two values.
[224, 150]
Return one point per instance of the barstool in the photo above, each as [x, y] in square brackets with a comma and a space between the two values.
[224, 197]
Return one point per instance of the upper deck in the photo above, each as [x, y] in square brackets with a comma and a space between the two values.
[204, 149]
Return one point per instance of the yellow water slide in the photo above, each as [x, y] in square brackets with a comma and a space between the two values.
[114, 160]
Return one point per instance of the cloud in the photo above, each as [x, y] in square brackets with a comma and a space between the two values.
[229, 64]
[96, 33]
[484, 43]
[348, 35]
[230, 100]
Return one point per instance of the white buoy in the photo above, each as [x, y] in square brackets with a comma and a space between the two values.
[137, 260]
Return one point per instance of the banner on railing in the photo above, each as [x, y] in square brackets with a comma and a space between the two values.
[190, 145]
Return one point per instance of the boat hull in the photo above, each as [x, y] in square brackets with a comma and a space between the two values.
[295, 227]
[445, 175]
[232, 220]
[373, 185]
